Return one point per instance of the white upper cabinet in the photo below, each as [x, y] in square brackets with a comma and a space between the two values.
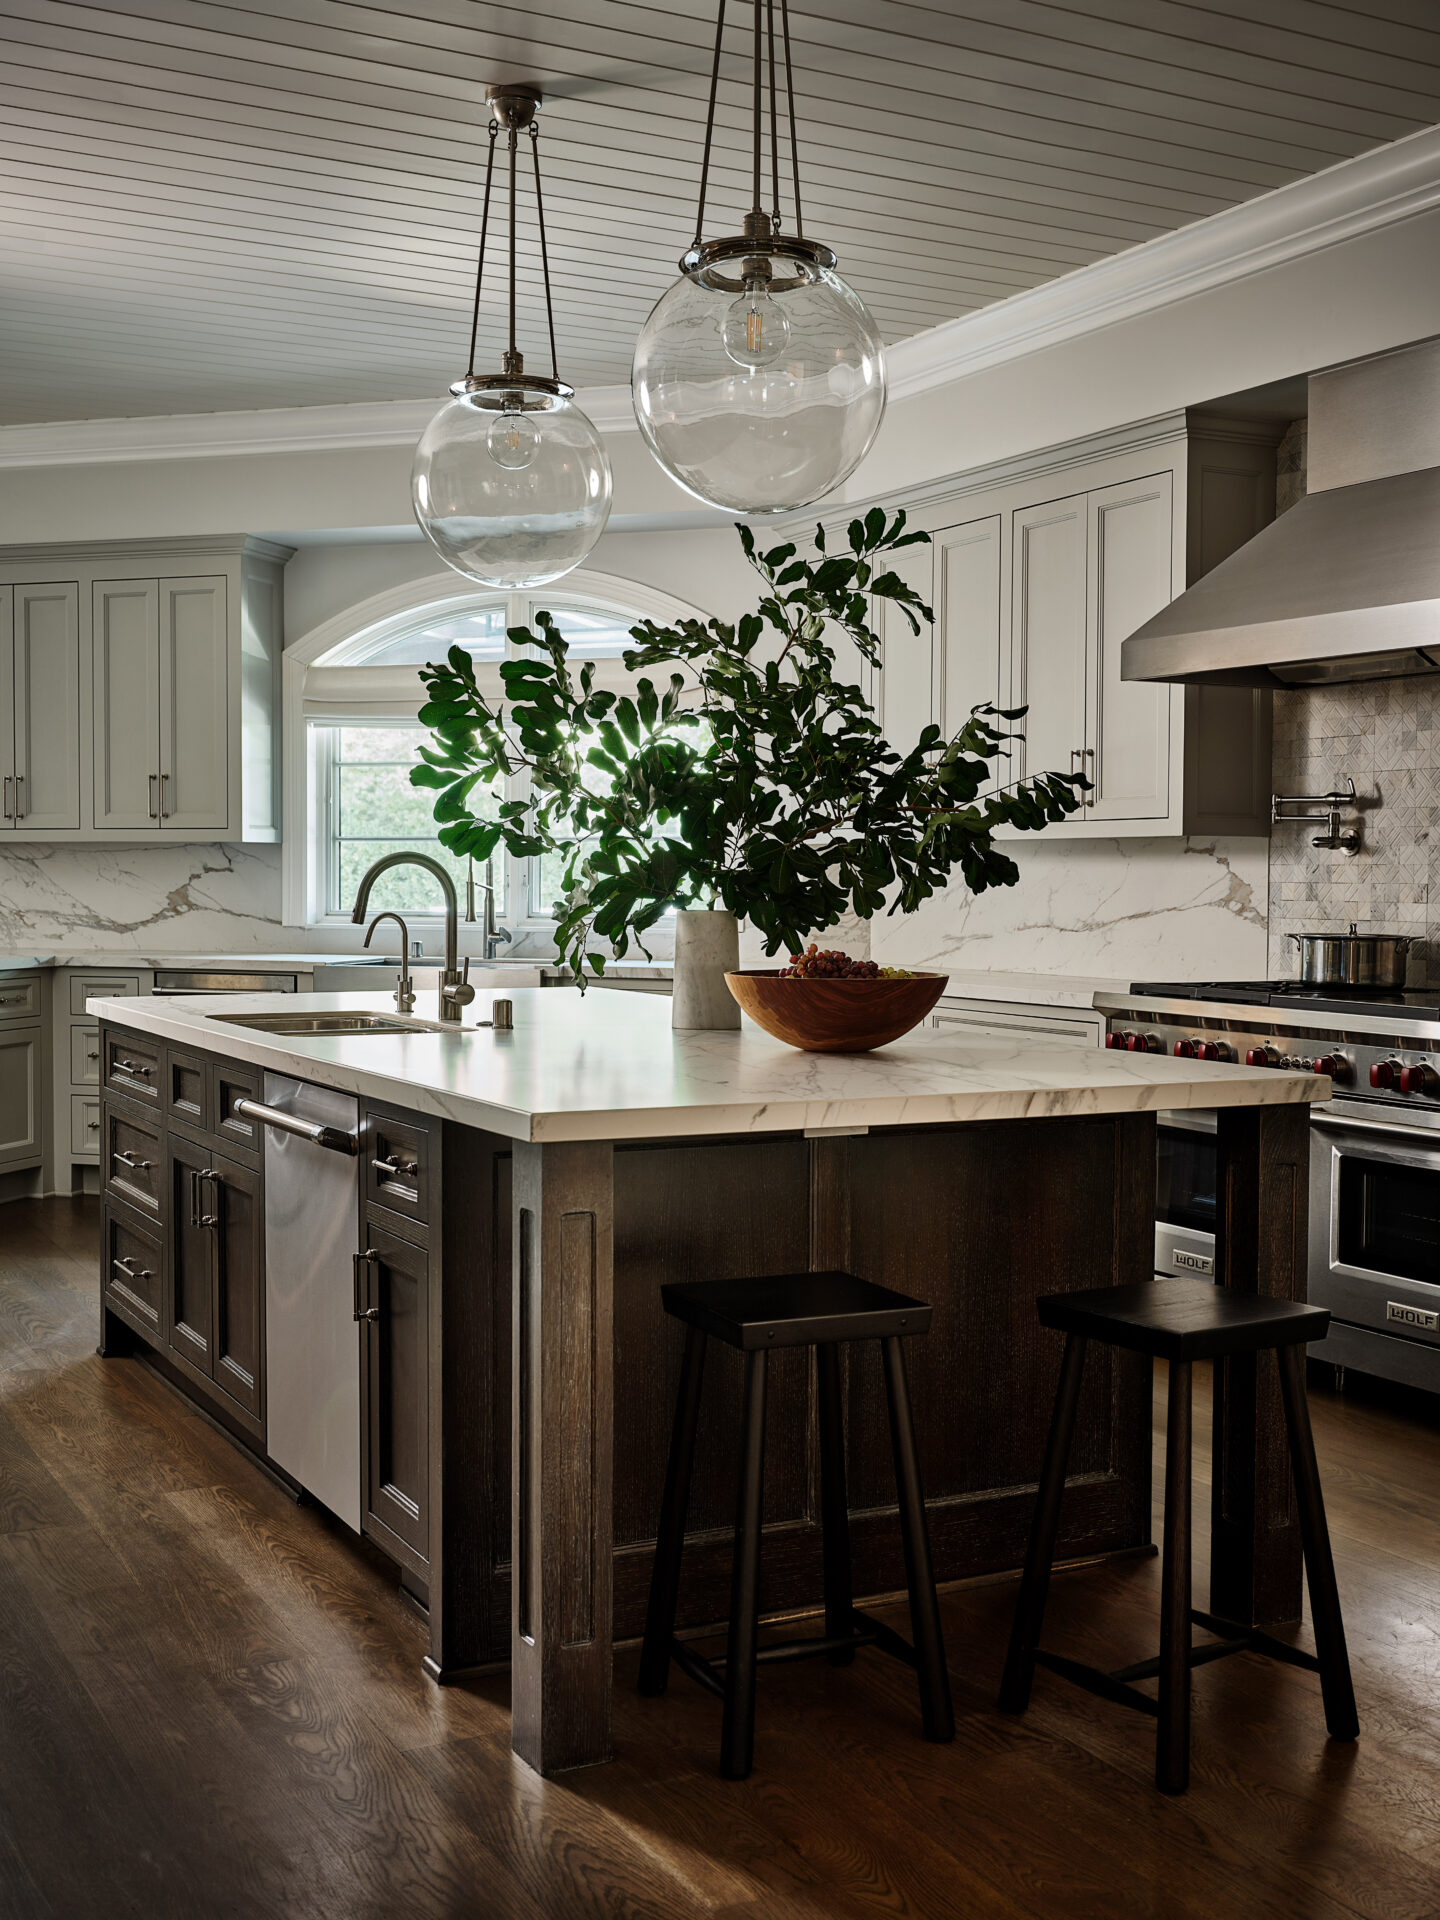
[1039, 571]
[39, 706]
[141, 699]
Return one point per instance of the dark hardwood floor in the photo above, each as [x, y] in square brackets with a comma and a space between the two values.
[211, 1705]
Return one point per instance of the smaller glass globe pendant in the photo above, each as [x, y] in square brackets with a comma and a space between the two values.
[511, 482]
[759, 378]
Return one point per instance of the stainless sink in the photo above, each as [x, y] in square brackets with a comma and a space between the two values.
[297, 1023]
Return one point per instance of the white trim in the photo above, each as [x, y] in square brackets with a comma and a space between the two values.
[1344, 202]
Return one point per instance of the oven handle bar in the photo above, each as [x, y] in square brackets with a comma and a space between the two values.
[1331, 1123]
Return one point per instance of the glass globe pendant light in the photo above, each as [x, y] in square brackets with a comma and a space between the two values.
[511, 482]
[759, 378]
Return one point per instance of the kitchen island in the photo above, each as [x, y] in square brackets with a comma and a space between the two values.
[521, 1197]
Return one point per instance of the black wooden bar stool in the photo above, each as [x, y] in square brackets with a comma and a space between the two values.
[757, 1315]
[1182, 1321]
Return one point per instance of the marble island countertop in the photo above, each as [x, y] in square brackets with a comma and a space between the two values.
[608, 1067]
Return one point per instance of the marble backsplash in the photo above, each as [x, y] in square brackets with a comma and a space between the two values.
[1123, 909]
[180, 899]
[1385, 735]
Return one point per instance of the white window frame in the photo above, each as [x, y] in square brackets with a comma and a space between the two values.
[322, 688]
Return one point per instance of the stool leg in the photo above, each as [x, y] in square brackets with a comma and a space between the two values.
[936, 1712]
[1172, 1742]
[670, 1535]
[1335, 1683]
[1044, 1530]
[834, 1503]
[737, 1735]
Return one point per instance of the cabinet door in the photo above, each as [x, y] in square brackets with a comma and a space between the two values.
[1131, 538]
[7, 705]
[395, 1395]
[20, 1097]
[125, 696]
[237, 1232]
[194, 706]
[46, 685]
[191, 1317]
[1048, 640]
[967, 573]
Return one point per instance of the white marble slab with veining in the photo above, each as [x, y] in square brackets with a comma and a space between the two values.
[607, 1066]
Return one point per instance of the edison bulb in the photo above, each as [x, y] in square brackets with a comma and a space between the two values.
[755, 330]
[511, 498]
[512, 441]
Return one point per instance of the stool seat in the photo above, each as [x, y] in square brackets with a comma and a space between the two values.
[1183, 1319]
[795, 1309]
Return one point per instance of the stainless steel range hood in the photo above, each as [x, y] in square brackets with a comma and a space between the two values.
[1346, 585]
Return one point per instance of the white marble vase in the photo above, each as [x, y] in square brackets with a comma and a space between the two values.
[707, 947]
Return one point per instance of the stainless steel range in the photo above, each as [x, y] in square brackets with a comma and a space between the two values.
[1374, 1152]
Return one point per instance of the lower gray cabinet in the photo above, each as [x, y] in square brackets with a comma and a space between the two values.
[20, 1063]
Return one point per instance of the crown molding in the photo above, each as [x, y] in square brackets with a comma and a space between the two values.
[1344, 202]
[1353, 198]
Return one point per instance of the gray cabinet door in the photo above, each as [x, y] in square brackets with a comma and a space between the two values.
[7, 705]
[20, 1097]
[1131, 542]
[1048, 622]
[126, 702]
[46, 690]
[194, 706]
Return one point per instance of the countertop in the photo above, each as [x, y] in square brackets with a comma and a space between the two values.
[608, 1067]
[297, 962]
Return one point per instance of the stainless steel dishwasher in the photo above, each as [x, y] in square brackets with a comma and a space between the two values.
[311, 1226]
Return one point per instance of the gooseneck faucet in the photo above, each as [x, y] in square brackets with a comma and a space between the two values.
[404, 991]
[456, 993]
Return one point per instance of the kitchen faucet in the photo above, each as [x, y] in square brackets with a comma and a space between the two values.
[490, 934]
[456, 992]
[404, 991]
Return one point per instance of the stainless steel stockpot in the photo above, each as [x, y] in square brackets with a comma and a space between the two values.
[1353, 959]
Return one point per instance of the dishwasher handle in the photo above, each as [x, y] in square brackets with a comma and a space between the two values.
[335, 1138]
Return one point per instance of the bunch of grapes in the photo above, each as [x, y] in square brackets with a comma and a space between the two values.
[834, 965]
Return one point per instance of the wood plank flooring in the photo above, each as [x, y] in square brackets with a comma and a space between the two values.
[211, 1704]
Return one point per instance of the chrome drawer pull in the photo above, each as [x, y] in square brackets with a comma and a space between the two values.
[397, 1169]
[363, 1260]
[129, 1160]
[134, 1066]
[127, 1268]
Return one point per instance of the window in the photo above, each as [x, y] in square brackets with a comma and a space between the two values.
[354, 694]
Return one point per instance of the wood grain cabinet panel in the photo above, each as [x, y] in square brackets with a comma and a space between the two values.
[134, 1271]
[397, 1164]
[395, 1393]
[190, 1329]
[133, 1066]
[133, 1160]
[237, 1233]
[20, 1050]
[228, 1084]
[185, 1089]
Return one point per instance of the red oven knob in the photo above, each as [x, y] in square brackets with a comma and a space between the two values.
[1184, 1049]
[1334, 1066]
[1117, 1039]
[1384, 1073]
[1209, 1050]
[1418, 1080]
[1196, 1050]
[1262, 1057]
[1142, 1043]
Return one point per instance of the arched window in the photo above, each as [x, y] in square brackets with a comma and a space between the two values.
[353, 693]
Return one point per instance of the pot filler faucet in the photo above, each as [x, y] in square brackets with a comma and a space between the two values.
[456, 992]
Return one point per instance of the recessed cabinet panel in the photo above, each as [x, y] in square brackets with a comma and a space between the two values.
[20, 998]
[133, 1271]
[190, 1204]
[84, 1127]
[45, 796]
[395, 1395]
[84, 1056]
[237, 1232]
[1049, 616]
[194, 706]
[19, 1096]
[134, 1156]
[1129, 569]
[125, 694]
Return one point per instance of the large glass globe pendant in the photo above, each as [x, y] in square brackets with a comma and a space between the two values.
[511, 482]
[759, 377]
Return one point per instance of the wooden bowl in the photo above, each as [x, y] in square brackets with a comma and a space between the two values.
[834, 1016]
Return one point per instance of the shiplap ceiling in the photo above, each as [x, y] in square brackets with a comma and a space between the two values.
[275, 202]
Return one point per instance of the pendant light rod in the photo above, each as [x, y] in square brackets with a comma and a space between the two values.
[544, 250]
[774, 124]
[764, 80]
[512, 107]
[759, 15]
[480, 264]
[710, 122]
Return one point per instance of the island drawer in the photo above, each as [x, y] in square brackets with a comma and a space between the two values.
[229, 1083]
[19, 998]
[133, 1270]
[397, 1164]
[84, 1124]
[185, 1090]
[133, 1158]
[84, 1056]
[131, 1065]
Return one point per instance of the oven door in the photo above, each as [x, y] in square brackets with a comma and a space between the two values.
[1375, 1225]
[1185, 1194]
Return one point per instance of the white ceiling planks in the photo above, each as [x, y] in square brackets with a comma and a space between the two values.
[269, 203]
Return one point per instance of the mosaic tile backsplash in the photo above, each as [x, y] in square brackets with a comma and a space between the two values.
[1385, 735]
